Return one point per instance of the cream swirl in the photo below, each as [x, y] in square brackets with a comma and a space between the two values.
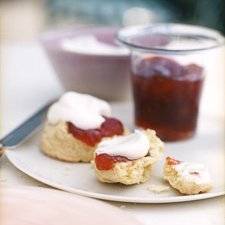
[84, 111]
[194, 172]
[132, 146]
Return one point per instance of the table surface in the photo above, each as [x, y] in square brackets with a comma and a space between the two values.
[27, 82]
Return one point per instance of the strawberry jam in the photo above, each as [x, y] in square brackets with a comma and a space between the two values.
[167, 96]
[91, 137]
[172, 162]
[106, 162]
[194, 173]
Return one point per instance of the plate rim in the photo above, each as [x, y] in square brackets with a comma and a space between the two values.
[149, 199]
[167, 199]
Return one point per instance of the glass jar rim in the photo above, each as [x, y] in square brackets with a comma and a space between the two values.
[124, 37]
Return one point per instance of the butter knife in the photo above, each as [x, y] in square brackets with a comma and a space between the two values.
[24, 130]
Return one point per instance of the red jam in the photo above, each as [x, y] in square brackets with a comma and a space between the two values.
[166, 96]
[106, 162]
[194, 173]
[91, 137]
[172, 162]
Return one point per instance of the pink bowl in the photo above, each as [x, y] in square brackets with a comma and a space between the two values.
[104, 76]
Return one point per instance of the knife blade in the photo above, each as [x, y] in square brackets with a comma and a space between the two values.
[24, 130]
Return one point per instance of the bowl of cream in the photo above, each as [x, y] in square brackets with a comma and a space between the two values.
[88, 60]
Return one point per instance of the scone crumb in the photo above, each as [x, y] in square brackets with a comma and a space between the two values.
[158, 188]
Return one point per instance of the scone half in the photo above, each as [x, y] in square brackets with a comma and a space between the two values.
[120, 169]
[60, 142]
[187, 177]
[57, 143]
[75, 124]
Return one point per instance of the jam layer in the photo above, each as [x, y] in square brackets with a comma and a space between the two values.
[172, 162]
[91, 137]
[106, 162]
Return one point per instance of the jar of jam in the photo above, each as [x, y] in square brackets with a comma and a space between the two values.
[168, 72]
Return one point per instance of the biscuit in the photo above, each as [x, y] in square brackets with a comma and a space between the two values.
[133, 171]
[187, 182]
[57, 143]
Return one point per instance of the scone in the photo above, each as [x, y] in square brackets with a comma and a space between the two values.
[187, 177]
[127, 159]
[75, 124]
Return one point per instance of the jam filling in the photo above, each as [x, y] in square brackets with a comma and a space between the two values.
[91, 137]
[172, 162]
[194, 173]
[106, 162]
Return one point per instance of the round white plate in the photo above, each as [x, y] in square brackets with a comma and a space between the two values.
[38, 206]
[206, 147]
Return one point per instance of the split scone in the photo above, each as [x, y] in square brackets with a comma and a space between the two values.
[127, 159]
[76, 123]
[187, 177]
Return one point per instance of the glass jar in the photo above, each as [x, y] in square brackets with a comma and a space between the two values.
[168, 72]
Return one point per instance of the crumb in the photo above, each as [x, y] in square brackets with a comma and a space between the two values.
[68, 168]
[158, 188]
[3, 180]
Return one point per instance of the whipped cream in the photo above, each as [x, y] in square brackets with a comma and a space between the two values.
[132, 146]
[84, 111]
[194, 172]
[88, 44]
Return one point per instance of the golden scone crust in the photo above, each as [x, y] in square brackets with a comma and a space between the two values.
[57, 143]
[131, 172]
[183, 185]
[135, 171]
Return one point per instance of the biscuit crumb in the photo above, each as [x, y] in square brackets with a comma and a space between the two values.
[158, 188]
[2, 180]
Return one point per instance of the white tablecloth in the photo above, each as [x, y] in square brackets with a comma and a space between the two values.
[27, 82]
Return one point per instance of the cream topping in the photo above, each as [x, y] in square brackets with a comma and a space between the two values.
[84, 111]
[132, 146]
[195, 172]
[89, 44]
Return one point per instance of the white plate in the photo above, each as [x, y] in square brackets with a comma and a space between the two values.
[206, 147]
